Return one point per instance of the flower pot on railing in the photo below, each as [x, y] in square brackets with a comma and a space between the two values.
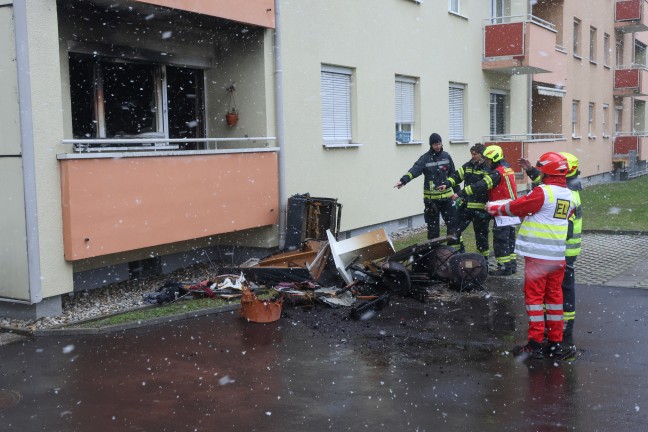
[232, 118]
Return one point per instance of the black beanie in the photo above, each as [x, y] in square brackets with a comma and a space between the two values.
[435, 138]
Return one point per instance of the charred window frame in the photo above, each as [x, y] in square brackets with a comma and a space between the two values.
[112, 98]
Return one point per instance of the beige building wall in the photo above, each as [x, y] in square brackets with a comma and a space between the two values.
[420, 40]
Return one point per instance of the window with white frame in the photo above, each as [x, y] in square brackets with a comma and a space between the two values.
[640, 54]
[404, 109]
[497, 112]
[576, 43]
[456, 112]
[114, 98]
[592, 47]
[606, 49]
[590, 119]
[619, 53]
[336, 105]
[454, 6]
[575, 118]
[604, 120]
[618, 117]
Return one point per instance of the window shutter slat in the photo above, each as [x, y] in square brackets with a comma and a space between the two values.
[336, 106]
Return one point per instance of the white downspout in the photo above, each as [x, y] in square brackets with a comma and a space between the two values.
[279, 107]
[28, 152]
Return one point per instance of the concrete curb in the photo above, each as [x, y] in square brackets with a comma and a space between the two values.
[67, 331]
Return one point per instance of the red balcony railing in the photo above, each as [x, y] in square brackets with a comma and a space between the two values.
[631, 81]
[519, 45]
[624, 144]
[630, 16]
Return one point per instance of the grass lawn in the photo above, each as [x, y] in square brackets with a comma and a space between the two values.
[620, 206]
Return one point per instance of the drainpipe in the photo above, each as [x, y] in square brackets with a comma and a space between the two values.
[279, 108]
[27, 149]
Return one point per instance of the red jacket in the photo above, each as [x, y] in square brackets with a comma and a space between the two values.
[531, 203]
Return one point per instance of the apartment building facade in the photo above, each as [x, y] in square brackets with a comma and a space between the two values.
[119, 162]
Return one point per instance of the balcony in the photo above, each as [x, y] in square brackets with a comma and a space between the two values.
[114, 202]
[630, 81]
[630, 16]
[519, 45]
[259, 12]
[516, 146]
[630, 143]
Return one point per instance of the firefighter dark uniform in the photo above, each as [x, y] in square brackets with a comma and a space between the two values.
[499, 183]
[541, 240]
[472, 208]
[573, 244]
[436, 167]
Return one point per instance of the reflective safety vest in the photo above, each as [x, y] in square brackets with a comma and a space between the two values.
[574, 243]
[542, 235]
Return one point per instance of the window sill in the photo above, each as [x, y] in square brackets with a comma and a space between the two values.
[593, 62]
[344, 145]
[416, 1]
[577, 57]
[459, 141]
[606, 136]
[409, 143]
[458, 15]
[576, 137]
[592, 137]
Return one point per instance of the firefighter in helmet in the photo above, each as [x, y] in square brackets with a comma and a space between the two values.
[499, 184]
[541, 240]
[573, 244]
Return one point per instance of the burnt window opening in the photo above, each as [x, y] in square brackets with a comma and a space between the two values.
[117, 99]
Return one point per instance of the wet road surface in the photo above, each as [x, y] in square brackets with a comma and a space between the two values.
[442, 366]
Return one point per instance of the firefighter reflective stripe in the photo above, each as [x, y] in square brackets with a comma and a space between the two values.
[489, 182]
[554, 312]
[436, 194]
[542, 235]
[438, 163]
[410, 175]
[535, 307]
[569, 316]
[507, 178]
[476, 205]
[574, 243]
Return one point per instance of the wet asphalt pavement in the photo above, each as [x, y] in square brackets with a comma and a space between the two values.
[440, 366]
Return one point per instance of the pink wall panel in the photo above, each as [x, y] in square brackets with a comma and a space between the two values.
[257, 12]
[120, 204]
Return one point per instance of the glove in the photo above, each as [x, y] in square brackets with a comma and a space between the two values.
[460, 202]
[491, 209]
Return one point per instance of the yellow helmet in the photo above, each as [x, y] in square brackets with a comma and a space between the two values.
[494, 153]
[572, 161]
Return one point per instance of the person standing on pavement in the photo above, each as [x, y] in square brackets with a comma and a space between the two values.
[436, 165]
[472, 209]
[573, 243]
[499, 184]
[541, 240]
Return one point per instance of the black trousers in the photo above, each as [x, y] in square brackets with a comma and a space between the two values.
[569, 290]
[434, 209]
[481, 224]
[503, 242]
